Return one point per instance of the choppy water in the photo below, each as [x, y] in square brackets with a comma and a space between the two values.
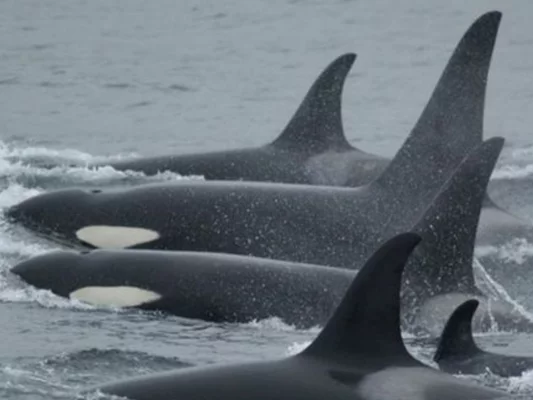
[82, 81]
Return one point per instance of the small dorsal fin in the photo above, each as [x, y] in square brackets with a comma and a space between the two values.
[457, 340]
[449, 224]
[450, 125]
[317, 124]
[366, 324]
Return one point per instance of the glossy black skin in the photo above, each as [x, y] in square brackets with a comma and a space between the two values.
[223, 287]
[294, 378]
[315, 373]
[287, 222]
[329, 226]
[207, 286]
[499, 364]
[269, 163]
[256, 164]
[361, 339]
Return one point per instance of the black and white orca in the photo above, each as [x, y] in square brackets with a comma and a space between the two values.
[231, 288]
[312, 149]
[360, 354]
[323, 225]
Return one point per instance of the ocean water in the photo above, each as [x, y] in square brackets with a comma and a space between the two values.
[84, 81]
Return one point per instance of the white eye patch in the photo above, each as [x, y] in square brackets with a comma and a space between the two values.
[114, 296]
[115, 237]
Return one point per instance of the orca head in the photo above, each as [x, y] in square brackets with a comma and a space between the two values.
[73, 216]
[55, 214]
[78, 276]
[58, 271]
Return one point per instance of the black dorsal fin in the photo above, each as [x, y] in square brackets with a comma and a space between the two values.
[450, 125]
[366, 324]
[457, 340]
[449, 225]
[317, 124]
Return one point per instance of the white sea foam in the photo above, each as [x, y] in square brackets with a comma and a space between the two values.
[297, 347]
[68, 167]
[522, 383]
[517, 251]
[59, 156]
[512, 171]
[276, 324]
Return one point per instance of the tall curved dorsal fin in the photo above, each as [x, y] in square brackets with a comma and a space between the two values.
[458, 101]
[366, 324]
[449, 224]
[450, 125]
[457, 340]
[317, 124]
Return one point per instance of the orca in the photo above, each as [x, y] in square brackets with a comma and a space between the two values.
[359, 354]
[312, 149]
[458, 353]
[292, 222]
[229, 288]
[208, 286]
[322, 225]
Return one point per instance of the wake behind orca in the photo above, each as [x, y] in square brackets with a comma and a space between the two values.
[360, 354]
[229, 288]
[288, 222]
